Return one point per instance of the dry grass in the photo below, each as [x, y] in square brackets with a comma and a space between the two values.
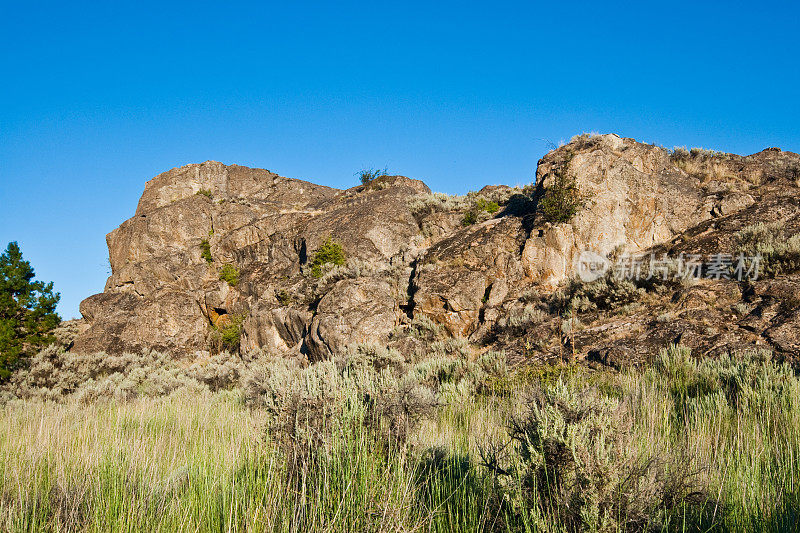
[710, 166]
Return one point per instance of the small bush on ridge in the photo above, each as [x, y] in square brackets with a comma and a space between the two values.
[368, 175]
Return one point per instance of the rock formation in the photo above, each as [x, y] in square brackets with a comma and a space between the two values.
[468, 265]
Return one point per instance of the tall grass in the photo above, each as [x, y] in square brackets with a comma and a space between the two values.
[685, 445]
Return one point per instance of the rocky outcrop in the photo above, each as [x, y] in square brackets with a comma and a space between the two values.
[637, 198]
[467, 265]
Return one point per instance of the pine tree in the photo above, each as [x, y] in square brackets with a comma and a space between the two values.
[27, 311]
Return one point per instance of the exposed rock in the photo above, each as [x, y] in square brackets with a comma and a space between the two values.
[403, 267]
[455, 277]
[637, 199]
[355, 311]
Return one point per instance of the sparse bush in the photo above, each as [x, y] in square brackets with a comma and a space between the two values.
[575, 463]
[488, 206]
[585, 140]
[424, 328]
[204, 192]
[679, 153]
[423, 204]
[205, 251]
[779, 252]
[562, 200]
[470, 218]
[351, 269]
[229, 274]
[454, 346]
[479, 203]
[521, 319]
[329, 253]
[606, 293]
[480, 210]
[368, 175]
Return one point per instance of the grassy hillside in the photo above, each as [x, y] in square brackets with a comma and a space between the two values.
[370, 443]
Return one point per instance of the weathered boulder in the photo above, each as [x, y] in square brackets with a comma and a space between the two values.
[637, 198]
[463, 274]
[355, 311]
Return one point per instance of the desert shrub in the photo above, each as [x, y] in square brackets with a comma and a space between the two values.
[470, 218]
[779, 252]
[479, 203]
[585, 139]
[522, 318]
[305, 403]
[56, 375]
[488, 206]
[562, 200]
[453, 346]
[480, 210]
[423, 204]
[27, 311]
[330, 252]
[205, 251]
[424, 328]
[204, 192]
[740, 382]
[352, 268]
[574, 462]
[606, 293]
[229, 274]
[368, 175]
[679, 153]
[454, 378]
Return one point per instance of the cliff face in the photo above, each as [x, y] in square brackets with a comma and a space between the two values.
[471, 270]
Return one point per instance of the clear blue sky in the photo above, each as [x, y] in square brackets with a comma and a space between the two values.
[98, 98]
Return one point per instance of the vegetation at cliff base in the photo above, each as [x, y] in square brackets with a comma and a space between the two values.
[27, 311]
[369, 441]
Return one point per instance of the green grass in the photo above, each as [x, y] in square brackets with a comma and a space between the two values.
[208, 462]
